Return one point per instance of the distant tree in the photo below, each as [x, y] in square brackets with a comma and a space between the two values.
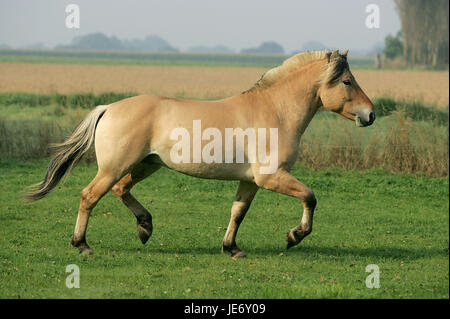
[266, 48]
[425, 31]
[393, 46]
[100, 41]
[94, 41]
[149, 43]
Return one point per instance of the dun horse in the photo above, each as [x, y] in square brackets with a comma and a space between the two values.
[135, 137]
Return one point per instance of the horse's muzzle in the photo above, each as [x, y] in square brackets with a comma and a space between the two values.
[364, 118]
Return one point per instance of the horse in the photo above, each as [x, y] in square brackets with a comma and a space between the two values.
[136, 136]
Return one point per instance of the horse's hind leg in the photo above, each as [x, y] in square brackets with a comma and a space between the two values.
[244, 196]
[122, 191]
[90, 196]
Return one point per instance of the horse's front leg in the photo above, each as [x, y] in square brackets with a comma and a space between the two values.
[244, 196]
[284, 183]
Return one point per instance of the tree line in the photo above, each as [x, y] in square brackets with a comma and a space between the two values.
[423, 39]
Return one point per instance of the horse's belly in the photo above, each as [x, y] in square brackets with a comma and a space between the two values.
[224, 171]
[217, 171]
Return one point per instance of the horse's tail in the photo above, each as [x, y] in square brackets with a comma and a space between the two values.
[67, 154]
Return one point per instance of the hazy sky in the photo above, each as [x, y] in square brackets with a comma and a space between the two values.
[235, 23]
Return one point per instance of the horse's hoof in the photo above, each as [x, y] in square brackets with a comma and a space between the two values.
[83, 248]
[234, 250]
[86, 251]
[295, 236]
[238, 254]
[291, 239]
[144, 234]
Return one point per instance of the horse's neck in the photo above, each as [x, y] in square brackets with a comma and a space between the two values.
[294, 104]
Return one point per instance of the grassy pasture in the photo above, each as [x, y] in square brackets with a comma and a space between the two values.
[398, 222]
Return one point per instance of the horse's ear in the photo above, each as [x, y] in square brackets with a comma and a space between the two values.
[345, 53]
[333, 55]
[328, 56]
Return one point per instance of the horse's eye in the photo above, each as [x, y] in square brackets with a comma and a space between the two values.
[347, 82]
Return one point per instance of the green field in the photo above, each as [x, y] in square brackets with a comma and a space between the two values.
[154, 58]
[398, 222]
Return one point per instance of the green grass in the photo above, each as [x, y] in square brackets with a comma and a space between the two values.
[399, 222]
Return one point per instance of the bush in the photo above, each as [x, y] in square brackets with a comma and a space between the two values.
[413, 110]
[28, 99]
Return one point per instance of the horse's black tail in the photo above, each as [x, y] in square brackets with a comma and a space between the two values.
[67, 154]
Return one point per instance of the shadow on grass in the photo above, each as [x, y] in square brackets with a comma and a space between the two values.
[385, 252]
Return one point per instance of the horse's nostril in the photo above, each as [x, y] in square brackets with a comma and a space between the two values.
[371, 117]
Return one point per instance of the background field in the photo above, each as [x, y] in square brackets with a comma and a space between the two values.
[153, 58]
[203, 82]
[382, 191]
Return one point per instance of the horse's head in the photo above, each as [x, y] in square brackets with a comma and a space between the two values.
[340, 93]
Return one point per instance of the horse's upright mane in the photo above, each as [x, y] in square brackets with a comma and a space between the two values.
[336, 65]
